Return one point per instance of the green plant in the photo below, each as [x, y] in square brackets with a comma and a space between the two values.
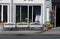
[52, 19]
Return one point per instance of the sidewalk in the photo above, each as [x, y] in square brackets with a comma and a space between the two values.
[54, 31]
[19, 32]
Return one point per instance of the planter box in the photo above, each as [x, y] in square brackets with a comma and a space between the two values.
[32, 25]
[22, 24]
[35, 25]
[9, 25]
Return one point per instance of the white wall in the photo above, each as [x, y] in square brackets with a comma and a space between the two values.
[22, 1]
[34, 1]
[5, 1]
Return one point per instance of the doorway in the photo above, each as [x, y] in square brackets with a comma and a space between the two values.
[57, 16]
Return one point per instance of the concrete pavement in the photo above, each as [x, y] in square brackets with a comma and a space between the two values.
[19, 32]
[55, 31]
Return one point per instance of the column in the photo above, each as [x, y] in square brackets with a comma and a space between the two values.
[47, 14]
[32, 14]
[14, 14]
[11, 11]
[8, 14]
[43, 14]
[2, 14]
[28, 13]
[41, 17]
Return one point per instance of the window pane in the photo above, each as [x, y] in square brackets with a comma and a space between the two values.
[17, 13]
[5, 13]
[30, 13]
[36, 13]
[0, 12]
[24, 13]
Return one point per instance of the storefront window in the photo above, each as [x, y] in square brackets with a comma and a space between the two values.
[36, 13]
[5, 13]
[28, 13]
[0, 12]
[17, 13]
[24, 16]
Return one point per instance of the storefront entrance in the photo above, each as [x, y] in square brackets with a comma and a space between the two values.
[57, 9]
[58, 16]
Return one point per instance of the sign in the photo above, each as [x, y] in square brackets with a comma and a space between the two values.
[47, 4]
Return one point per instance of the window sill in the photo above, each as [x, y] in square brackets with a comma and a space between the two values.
[23, 23]
[35, 23]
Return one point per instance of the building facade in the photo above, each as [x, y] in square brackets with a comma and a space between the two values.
[22, 13]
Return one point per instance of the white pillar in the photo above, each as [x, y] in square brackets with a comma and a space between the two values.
[14, 13]
[28, 13]
[11, 11]
[47, 14]
[41, 17]
[2, 14]
[43, 14]
[32, 14]
[8, 14]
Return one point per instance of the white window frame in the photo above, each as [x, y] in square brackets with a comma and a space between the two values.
[7, 12]
[32, 11]
[32, 14]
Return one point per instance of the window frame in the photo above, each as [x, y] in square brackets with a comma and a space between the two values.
[7, 12]
[24, 4]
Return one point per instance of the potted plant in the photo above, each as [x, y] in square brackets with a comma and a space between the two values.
[52, 14]
[48, 27]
